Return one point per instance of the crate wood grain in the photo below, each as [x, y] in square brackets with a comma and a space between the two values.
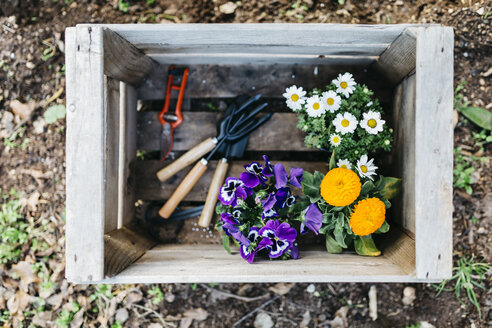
[279, 133]
[111, 67]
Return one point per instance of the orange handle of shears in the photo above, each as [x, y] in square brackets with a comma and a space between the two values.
[179, 103]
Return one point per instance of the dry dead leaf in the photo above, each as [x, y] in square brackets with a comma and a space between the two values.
[36, 174]
[18, 302]
[306, 319]
[340, 320]
[24, 270]
[23, 111]
[55, 301]
[133, 298]
[42, 319]
[281, 288]
[78, 320]
[32, 201]
[197, 314]
[185, 322]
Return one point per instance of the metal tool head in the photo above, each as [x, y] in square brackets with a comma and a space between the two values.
[166, 140]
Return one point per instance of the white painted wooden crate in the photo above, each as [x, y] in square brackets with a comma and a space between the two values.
[106, 63]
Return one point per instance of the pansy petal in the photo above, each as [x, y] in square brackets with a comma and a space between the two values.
[294, 252]
[280, 176]
[314, 218]
[295, 177]
[249, 179]
[285, 231]
[268, 202]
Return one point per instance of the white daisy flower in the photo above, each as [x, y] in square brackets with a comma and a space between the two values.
[344, 163]
[346, 123]
[345, 84]
[295, 97]
[369, 104]
[335, 139]
[366, 168]
[331, 101]
[372, 122]
[315, 107]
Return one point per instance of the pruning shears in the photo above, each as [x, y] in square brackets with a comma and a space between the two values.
[171, 121]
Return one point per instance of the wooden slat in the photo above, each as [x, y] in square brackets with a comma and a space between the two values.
[260, 59]
[128, 150]
[210, 263]
[434, 152]
[149, 188]
[238, 38]
[279, 133]
[85, 153]
[226, 81]
[123, 61]
[398, 60]
[111, 156]
[124, 246]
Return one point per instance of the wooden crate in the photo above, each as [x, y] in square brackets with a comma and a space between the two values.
[110, 69]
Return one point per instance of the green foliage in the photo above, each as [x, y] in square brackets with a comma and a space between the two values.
[479, 116]
[66, 317]
[311, 185]
[14, 230]
[117, 324]
[417, 325]
[123, 5]
[364, 245]
[157, 295]
[482, 138]
[4, 316]
[467, 276]
[12, 140]
[353, 145]
[53, 113]
[463, 171]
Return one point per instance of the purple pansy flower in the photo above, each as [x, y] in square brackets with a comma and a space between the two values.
[313, 219]
[281, 177]
[253, 175]
[268, 202]
[271, 213]
[284, 198]
[294, 251]
[268, 169]
[230, 227]
[231, 191]
[278, 237]
[253, 237]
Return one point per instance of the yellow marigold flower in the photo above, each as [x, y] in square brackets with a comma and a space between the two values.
[367, 217]
[340, 187]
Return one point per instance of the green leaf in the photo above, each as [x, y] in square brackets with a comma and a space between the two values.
[332, 245]
[367, 188]
[310, 187]
[479, 116]
[332, 160]
[391, 188]
[54, 113]
[339, 231]
[226, 243]
[364, 245]
[387, 203]
[384, 228]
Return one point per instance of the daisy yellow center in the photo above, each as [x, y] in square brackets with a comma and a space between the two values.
[345, 123]
[367, 217]
[330, 101]
[344, 85]
[363, 168]
[372, 123]
[336, 139]
[315, 106]
[340, 187]
[294, 97]
[344, 166]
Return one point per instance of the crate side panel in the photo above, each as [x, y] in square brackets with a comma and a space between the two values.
[127, 153]
[271, 38]
[434, 152]
[111, 148]
[211, 263]
[85, 155]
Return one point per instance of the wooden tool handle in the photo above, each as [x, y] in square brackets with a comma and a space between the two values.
[183, 189]
[186, 159]
[217, 181]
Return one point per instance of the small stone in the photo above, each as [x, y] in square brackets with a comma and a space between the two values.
[121, 315]
[426, 324]
[38, 125]
[408, 295]
[481, 11]
[228, 8]
[263, 320]
[30, 65]
[169, 297]
[311, 289]
[373, 303]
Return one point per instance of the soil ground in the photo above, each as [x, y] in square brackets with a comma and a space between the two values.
[32, 72]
